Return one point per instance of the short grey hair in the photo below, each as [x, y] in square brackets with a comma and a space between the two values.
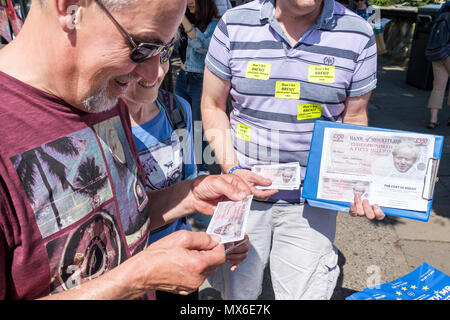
[117, 4]
[110, 4]
[408, 147]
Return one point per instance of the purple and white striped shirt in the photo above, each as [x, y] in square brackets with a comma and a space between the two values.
[279, 90]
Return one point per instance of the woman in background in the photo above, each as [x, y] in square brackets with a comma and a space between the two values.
[437, 52]
[199, 23]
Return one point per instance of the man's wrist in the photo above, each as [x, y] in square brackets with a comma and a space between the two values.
[231, 170]
[190, 204]
[226, 168]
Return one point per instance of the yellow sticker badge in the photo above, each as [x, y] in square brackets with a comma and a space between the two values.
[287, 89]
[321, 74]
[243, 132]
[258, 70]
[309, 111]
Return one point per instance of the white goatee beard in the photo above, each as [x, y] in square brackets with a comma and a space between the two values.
[100, 102]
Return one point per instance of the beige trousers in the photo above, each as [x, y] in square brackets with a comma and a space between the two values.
[441, 72]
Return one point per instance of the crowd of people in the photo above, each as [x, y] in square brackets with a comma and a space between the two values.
[98, 163]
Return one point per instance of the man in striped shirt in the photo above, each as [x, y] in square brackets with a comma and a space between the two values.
[286, 63]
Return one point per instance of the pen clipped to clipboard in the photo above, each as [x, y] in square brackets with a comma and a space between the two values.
[430, 178]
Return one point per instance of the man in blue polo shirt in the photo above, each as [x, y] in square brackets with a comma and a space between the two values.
[286, 63]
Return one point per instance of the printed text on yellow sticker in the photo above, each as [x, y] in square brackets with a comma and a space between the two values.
[243, 132]
[321, 74]
[287, 89]
[309, 111]
[258, 70]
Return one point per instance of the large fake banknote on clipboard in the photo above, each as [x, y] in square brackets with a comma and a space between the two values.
[394, 169]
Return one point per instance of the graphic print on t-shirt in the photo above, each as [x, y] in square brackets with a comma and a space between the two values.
[131, 195]
[64, 180]
[87, 199]
[86, 252]
[162, 163]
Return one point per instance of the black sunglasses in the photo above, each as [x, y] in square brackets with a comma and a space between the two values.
[141, 52]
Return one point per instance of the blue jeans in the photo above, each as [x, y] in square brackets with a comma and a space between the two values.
[189, 86]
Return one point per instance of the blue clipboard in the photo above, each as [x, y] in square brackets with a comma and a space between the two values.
[310, 186]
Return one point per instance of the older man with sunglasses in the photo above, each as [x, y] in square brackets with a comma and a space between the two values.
[74, 217]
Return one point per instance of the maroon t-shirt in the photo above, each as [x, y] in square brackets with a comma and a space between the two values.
[72, 202]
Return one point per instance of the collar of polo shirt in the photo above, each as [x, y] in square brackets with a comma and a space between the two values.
[324, 22]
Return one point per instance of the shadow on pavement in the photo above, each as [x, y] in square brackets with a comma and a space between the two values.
[340, 293]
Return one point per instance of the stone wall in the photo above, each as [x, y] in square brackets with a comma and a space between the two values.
[399, 32]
